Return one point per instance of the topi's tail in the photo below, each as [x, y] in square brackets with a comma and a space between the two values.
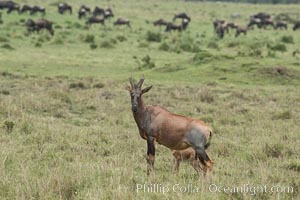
[209, 140]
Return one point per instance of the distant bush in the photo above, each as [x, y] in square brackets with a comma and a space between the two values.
[294, 166]
[45, 37]
[164, 47]
[76, 25]
[284, 115]
[98, 85]
[5, 92]
[6, 74]
[26, 128]
[202, 57]
[38, 44]
[89, 38]
[274, 151]
[255, 48]
[145, 63]
[153, 37]
[233, 44]
[187, 43]
[63, 97]
[143, 45]
[271, 54]
[58, 26]
[113, 41]
[287, 39]
[278, 47]
[121, 38]
[78, 85]
[8, 126]
[3, 39]
[213, 45]
[7, 46]
[65, 33]
[58, 40]
[93, 46]
[206, 96]
[189, 47]
[107, 44]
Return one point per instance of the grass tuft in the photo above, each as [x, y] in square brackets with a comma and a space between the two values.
[7, 46]
[8, 126]
[153, 36]
[78, 85]
[287, 39]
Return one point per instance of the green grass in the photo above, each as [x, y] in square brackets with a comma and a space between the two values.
[66, 128]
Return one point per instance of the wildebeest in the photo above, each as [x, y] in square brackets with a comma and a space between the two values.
[184, 23]
[82, 13]
[95, 20]
[262, 20]
[230, 25]
[177, 132]
[188, 155]
[170, 27]
[98, 11]
[160, 22]
[297, 51]
[217, 23]
[38, 25]
[240, 30]
[10, 6]
[122, 21]
[36, 9]
[63, 7]
[267, 22]
[281, 25]
[296, 26]
[86, 8]
[181, 16]
[220, 30]
[25, 8]
[254, 21]
[262, 16]
[108, 13]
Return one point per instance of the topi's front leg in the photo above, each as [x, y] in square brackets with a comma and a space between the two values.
[150, 154]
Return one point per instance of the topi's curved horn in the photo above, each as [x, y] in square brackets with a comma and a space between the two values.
[131, 81]
[140, 83]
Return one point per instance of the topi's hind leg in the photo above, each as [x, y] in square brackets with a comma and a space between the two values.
[196, 164]
[176, 162]
[176, 165]
[205, 160]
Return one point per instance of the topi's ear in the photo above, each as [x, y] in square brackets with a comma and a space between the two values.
[128, 88]
[146, 89]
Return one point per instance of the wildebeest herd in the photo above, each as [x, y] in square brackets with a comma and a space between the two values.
[99, 15]
[185, 20]
[261, 20]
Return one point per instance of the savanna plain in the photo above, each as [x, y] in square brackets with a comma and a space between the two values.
[66, 127]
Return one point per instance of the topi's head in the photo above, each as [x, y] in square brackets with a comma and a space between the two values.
[136, 92]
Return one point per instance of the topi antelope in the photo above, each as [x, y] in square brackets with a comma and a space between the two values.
[156, 124]
[188, 155]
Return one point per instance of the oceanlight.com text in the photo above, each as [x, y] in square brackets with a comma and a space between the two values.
[250, 189]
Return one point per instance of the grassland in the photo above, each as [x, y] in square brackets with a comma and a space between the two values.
[67, 131]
